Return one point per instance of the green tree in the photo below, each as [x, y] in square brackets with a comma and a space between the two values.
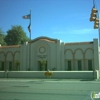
[16, 35]
[2, 36]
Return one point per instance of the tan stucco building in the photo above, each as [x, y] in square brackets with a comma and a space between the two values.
[58, 55]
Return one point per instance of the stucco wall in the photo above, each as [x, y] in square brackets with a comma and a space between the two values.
[55, 75]
[50, 52]
[2, 74]
[57, 54]
[9, 53]
[75, 52]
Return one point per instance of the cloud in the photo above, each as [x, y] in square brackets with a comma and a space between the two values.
[84, 17]
[81, 31]
[59, 32]
[75, 31]
[80, 16]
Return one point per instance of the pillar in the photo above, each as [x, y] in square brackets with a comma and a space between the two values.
[96, 54]
[62, 61]
[58, 55]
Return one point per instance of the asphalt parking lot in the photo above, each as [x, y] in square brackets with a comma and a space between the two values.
[47, 89]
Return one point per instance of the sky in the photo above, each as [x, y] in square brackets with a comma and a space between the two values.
[66, 20]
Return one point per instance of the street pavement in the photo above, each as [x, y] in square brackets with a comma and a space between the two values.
[47, 89]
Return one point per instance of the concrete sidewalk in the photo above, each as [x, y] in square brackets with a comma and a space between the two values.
[46, 79]
[43, 89]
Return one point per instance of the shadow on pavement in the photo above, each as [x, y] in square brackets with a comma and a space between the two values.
[88, 80]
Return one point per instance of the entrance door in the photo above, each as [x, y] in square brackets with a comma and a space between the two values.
[1, 65]
[40, 68]
[90, 65]
[69, 65]
[46, 66]
[10, 66]
[79, 65]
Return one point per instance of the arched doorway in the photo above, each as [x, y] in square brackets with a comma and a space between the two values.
[42, 67]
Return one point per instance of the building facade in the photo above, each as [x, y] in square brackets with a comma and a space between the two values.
[57, 55]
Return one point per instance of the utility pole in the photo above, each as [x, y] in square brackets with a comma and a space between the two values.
[95, 18]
